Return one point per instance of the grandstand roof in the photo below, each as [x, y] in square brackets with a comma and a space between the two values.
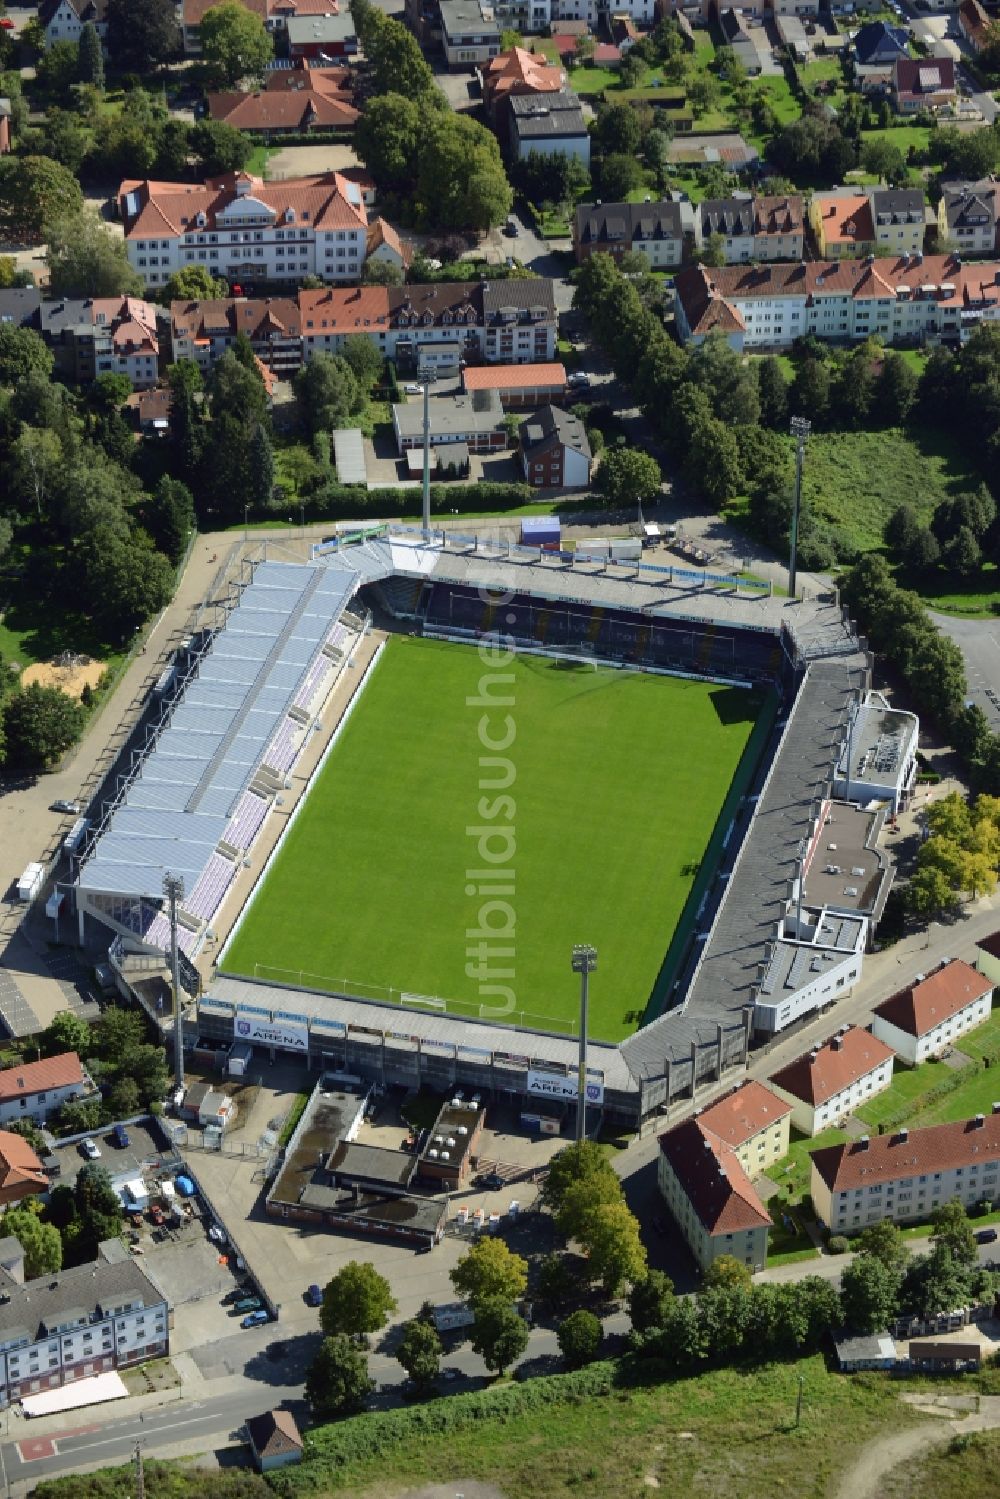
[215, 732]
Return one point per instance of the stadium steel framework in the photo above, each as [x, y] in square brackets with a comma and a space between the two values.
[246, 699]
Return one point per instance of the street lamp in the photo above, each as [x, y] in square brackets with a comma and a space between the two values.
[800, 429]
[425, 379]
[584, 963]
[173, 889]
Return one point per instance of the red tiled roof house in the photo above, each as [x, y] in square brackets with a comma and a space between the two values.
[37, 1089]
[826, 1084]
[706, 1169]
[906, 1175]
[934, 1012]
[21, 1173]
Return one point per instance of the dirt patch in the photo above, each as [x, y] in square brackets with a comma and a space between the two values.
[71, 674]
[303, 161]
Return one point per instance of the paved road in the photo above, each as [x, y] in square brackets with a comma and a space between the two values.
[979, 642]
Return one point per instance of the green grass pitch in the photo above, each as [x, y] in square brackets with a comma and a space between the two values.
[619, 779]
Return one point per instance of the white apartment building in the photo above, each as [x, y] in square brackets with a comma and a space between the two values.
[934, 1012]
[246, 230]
[904, 1176]
[63, 20]
[37, 1089]
[827, 1084]
[909, 299]
[78, 1323]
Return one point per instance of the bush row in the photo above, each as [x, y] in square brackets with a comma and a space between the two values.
[336, 501]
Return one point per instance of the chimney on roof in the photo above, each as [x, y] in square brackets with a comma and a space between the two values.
[996, 1108]
[863, 1142]
[904, 1133]
[979, 1121]
[836, 1043]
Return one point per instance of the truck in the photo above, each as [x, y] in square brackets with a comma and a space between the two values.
[74, 837]
[31, 882]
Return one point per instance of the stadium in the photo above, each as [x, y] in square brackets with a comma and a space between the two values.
[400, 780]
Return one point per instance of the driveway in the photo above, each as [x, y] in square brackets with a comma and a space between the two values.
[979, 642]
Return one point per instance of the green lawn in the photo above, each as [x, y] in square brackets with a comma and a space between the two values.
[974, 597]
[258, 160]
[588, 80]
[731, 1431]
[910, 1085]
[855, 480]
[903, 136]
[963, 1468]
[620, 779]
[792, 1173]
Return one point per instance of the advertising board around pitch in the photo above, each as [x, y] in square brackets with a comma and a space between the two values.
[557, 1085]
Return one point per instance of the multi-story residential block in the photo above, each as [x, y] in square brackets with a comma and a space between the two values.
[519, 322]
[909, 299]
[931, 1014]
[469, 34]
[906, 1174]
[292, 101]
[555, 452]
[549, 125]
[78, 1323]
[988, 957]
[436, 326]
[246, 230]
[842, 223]
[19, 305]
[203, 331]
[63, 20]
[754, 228]
[923, 83]
[37, 1089]
[529, 17]
[664, 232]
[752, 1121]
[827, 1084]
[778, 227]
[967, 216]
[92, 336]
[899, 216]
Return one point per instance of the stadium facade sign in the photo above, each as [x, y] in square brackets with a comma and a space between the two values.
[556, 1085]
[290, 1034]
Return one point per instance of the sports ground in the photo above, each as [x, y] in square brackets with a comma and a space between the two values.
[619, 780]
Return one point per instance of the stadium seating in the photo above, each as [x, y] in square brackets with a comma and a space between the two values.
[245, 823]
[210, 891]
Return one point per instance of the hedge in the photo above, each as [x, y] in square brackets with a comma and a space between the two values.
[328, 1449]
[337, 501]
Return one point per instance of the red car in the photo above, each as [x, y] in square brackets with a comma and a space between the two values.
[156, 1214]
[6, 23]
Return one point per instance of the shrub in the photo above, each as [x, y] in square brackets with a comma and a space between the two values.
[838, 1244]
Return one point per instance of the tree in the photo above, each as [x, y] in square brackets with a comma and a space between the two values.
[142, 34]
[489, 1271]
[580, 1199]
[555, 1279]
[884, 160]
[895, 390]
[953, 1230]
[260, 490]
[381, 273]
[869, 1292]
[22, 353]
[169, 517]
[812, 148]
[650, 1300]
[364, 358]
[65, 1032]
[85, 259]
[461, 183]
[618, 176]
[713, 462]
[121, 577]
[40, 1241]
[584, 1161]
[218, 147]
[729, 380]
[90, 57]
[388, 138]
[885, 1242]
[93, 1193]
[772, 392]
[234, 43]
[703, 94]
[327, 392]
[356, 1301]
[337, 1380]
[192, 283]
[40, 724]
[419, 1352]
[58, 69]
[616, 1256]
[395, 63]
[35, 191]
[726, 1272]
[628, 477]
[499, 1335]
[617, 131]
[810, 393]
[579, 1338]
[936, 1282]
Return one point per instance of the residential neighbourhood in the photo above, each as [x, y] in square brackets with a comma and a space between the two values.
[555, 444]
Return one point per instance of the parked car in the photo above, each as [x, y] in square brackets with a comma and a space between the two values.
[75, 808]
[492, 1181]
[248, 1304]
[450, 1372]
[578, 380]
[314, 1296]
[236, 1294]
[119, 1136]
[986, 1235]
[412, 390]
[511, 230]
[91, 1149]
[256, 1319]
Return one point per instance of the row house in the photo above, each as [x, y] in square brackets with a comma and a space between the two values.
[903, 1176]
[247, 230]
[665, 232]
[967, 216]
[76, 1324]
[554, 16]
[754, 228]
[906, 299]
[436, 326]
[930, 1015]
[849, 223]
[36, 1090]
[92, 336]
[706, 1169]
[828, 1083]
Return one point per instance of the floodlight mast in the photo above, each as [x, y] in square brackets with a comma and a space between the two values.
[173, 889]
[584, 963]
[800, 429]
[425, 379]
